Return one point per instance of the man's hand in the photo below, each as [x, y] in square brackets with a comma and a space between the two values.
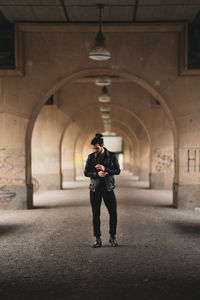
[102, 174]
[100, 167]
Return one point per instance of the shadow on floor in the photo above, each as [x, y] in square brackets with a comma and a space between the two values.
[163, 206]
[9, 229]
[141, 203]
[110, 286]
[75, 188]
[192, 229]
[107, 245]
[137, 187]
[62, 205]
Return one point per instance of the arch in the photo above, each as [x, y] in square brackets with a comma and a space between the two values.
[117, 122]
[119, 130]
[123, 128]
[100, 71]
[122, 108]
[133, 115]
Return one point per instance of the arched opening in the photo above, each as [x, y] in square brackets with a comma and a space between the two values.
[46, 137]
[127, 76]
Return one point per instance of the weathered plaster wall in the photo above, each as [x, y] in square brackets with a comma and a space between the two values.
[151, 56]
[162, 148]
[183, 96]
[13, 193]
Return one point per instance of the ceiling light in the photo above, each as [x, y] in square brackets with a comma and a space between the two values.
[108, 121]
[105, 115]
[105, 108]
[104, 96]
[103, 80]
[99, 51]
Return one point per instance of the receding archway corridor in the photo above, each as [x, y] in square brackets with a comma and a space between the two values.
[46, 252]
[127, 71]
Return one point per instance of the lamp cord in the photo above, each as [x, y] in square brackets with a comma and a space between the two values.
[100, 6]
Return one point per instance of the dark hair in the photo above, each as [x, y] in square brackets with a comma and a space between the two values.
[97, 140]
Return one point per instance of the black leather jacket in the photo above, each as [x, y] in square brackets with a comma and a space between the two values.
[111, 166]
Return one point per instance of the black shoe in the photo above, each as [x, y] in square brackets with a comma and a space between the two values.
[98, 243]
[113, 241]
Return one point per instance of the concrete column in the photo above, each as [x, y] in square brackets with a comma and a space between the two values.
[144, 160]
[187, 192]
[13, 189]
[162, 152]
[162, 162]
[68, 152]
[135, 161]
[127, 157]
[45, 148]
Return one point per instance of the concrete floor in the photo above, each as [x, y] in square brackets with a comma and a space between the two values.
[46, 253]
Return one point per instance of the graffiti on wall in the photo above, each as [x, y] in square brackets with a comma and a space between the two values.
[12, 172]
[164, 162]
[193, 160]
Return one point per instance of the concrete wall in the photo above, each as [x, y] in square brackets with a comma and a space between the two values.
[13, 192]
[56, 60]
[162, 148]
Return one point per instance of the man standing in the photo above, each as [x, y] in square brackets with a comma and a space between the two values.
[101, 165]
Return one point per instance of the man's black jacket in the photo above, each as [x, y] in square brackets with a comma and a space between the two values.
[111, 167]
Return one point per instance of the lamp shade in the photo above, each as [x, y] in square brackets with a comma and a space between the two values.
[108, 121]
[99, 51]
[105, 115]
[105, 108]
[104, 96]
[103, 80]
[104, 99]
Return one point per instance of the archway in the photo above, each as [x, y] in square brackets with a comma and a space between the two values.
[75, 76]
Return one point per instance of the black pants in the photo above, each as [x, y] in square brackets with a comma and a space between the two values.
[111, 204]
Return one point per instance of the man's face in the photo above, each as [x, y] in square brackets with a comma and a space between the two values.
[97, 148]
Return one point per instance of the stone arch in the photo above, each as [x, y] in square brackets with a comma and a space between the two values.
[126, 75]
[122, 108]
[121, 131]
[133, 115]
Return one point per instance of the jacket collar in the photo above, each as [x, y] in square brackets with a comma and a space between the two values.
[106, 151]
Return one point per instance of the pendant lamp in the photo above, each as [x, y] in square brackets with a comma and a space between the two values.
[105, 108]
[107, 122]
[105, 115]
[104, 96]
[99, 51]
[103, 80]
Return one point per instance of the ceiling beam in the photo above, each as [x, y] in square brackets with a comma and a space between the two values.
[115, 27]
[64, 10]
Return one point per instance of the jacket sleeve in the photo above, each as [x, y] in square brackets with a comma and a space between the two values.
[89, 172]
[114, 168]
